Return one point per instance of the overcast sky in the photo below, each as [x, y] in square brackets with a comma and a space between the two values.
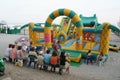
[25, 11]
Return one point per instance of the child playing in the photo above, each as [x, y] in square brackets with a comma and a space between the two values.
[100, 59]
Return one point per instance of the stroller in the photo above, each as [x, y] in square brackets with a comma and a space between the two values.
[2, 67]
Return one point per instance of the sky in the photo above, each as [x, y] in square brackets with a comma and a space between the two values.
[37, 11]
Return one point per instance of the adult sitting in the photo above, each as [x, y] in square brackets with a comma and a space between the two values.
[47, 59]
[7, 53]
[13, 54]
[64, 62]
[21, 55]
[54, 61]
[40, 61]
[32, 57]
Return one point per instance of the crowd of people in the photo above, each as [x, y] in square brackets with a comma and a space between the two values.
[42, 59]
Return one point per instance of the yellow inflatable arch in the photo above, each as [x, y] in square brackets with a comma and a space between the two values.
[64, 12]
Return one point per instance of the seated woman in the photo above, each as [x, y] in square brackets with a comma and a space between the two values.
[21, 56]
[54, 61]
[40, 61]
[7, 53]
[32, 57]
[13, 54]
[64, 63]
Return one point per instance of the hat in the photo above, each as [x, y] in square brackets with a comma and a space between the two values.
[40, 52]
[67, 54]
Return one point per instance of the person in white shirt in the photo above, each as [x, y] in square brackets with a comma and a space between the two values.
[24, 47]
[7, 53]
[40, 61]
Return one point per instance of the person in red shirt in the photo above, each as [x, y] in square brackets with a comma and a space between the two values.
[54, 61]
[13, 54]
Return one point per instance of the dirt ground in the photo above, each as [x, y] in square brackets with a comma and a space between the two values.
[28, 73]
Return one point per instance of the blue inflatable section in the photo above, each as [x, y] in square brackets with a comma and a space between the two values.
[69, 43]
[96, 47]
[38, 48]
[97, 37]
[41, 41]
